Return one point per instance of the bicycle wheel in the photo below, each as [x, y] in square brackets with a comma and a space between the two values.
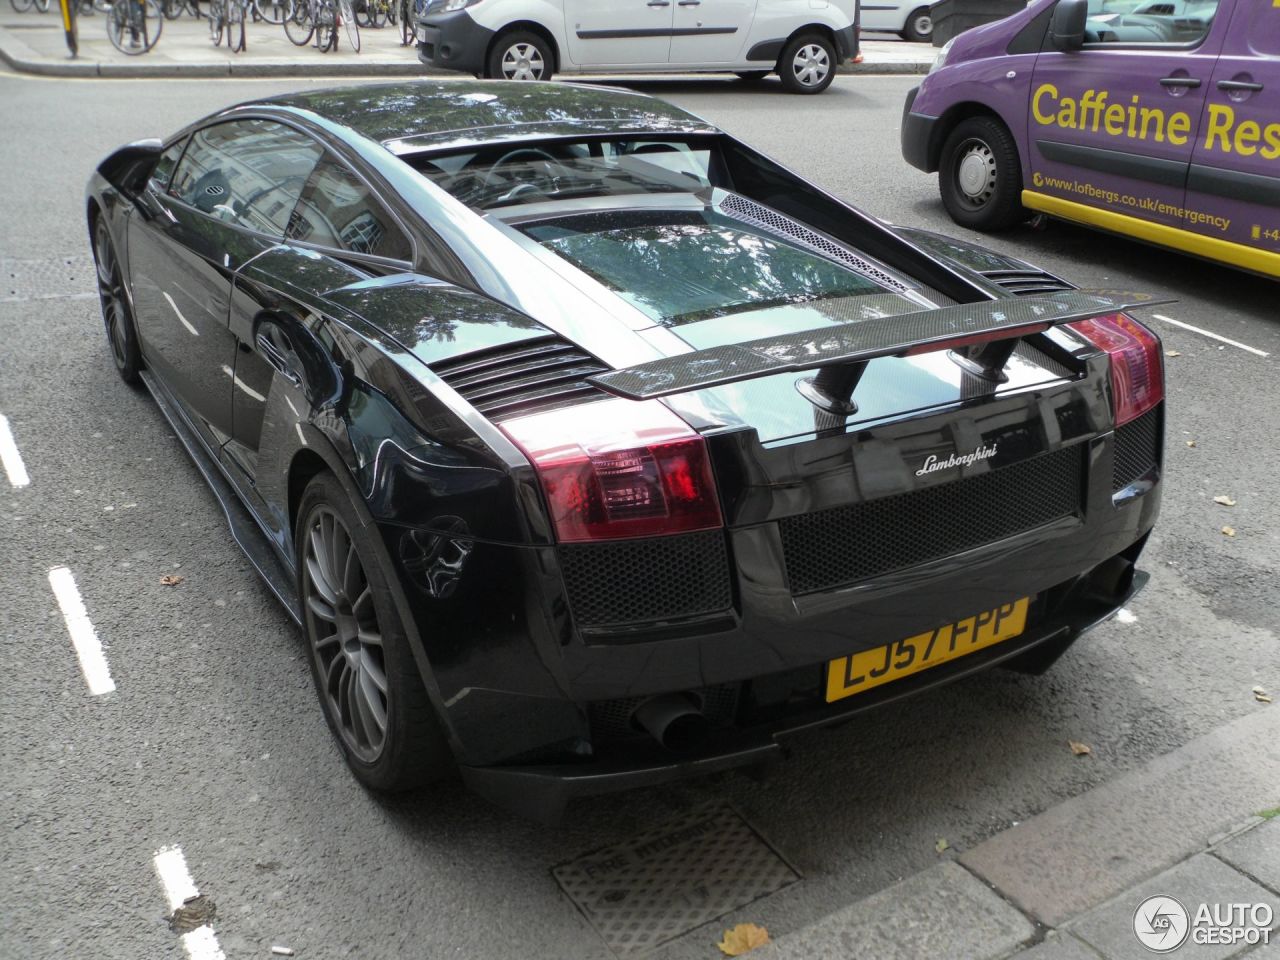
[235, 25]
[217, 21]
[348, 18]
[299, 26]
[408, 33]
[21, 6]
[172, 9]
[133, 26]
[42, 6]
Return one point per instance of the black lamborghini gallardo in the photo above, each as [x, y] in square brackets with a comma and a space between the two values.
[591, 448]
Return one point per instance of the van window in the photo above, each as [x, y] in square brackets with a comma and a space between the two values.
[1182, 22]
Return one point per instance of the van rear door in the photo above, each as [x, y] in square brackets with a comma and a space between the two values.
[1233, 191]
[1112, 126]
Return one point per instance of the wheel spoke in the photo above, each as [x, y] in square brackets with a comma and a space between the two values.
[370, 638]
[322, 609]
[320, 581]
[370, 699]
[373, 670]
[334, 676]
[365, 597]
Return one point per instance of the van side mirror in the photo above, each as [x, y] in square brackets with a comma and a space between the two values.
[1066, 29]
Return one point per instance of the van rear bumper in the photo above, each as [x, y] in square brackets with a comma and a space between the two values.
[917, 135]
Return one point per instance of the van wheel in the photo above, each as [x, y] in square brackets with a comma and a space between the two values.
[520, 55]
[807, 64]
[919, 26]
[979, 177]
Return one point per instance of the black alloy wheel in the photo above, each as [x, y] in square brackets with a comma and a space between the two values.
[365, 675]
[122, 337]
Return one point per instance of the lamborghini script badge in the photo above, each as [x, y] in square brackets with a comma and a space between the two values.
[932, 464]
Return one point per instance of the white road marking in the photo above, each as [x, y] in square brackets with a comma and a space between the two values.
[190, 329]
[1212, 335]
[175, 879]
[10, 457]
[93, 662]
[242, 385]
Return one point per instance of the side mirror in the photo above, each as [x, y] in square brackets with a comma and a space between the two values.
[1066, 29]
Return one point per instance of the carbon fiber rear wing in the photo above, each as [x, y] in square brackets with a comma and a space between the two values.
[956, 327]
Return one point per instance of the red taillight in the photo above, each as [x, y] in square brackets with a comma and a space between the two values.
[1137, 372]
[618, 468]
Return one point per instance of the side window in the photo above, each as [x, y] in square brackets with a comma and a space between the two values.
[158, 182]
[246, 172]
[338, 210]
[1182, 22]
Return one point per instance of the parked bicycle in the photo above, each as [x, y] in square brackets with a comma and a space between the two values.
[133, 26]
[22, 6]
[226, 20]
[173, 9]
[323, 19]
[272, 11]
[408, 14]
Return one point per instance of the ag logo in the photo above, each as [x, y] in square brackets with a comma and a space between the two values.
[1161, 924]
[215, 189]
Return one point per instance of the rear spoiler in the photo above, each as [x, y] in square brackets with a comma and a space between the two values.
[849, 346]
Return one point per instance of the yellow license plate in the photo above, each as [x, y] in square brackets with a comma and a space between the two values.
[870, 668]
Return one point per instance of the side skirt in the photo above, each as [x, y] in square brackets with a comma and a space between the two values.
[244, 526]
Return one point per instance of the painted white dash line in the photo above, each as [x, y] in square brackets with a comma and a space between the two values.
[1212, 335]
[93, 662]
[10, 457]
[175, 880]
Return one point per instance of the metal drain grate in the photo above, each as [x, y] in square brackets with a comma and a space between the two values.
[667, 881]
[47, 279]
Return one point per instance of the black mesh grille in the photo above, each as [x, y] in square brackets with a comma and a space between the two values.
[1137, 449]
[1027, 283]
[611, 719]
[636, 581]
[515, 379]
[847, 544]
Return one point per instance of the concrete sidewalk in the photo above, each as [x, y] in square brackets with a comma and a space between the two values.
[1198, 825]
[33, 43]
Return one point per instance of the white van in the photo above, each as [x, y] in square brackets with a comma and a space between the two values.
[909, 19]
[801, 40]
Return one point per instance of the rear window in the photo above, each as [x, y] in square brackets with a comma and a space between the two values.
[510, 175]
[678, 267]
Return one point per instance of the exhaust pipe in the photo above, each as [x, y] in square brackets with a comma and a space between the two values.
[1112, 580]
[675, 720]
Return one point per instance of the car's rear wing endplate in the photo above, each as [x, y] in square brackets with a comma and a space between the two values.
[890, 336]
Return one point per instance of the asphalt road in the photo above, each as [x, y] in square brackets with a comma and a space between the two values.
[213, 740]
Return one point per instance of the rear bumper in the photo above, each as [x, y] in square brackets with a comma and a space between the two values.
[542, 792]
[917, 135]
[453, 41]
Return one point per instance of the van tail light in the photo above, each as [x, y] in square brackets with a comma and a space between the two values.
[1137, 370]
[618, 468]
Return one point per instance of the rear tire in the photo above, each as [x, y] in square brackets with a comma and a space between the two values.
[807, 64]
[371, 692]
[117, 317]
[919, 26]
[520, 55]
[980, 177]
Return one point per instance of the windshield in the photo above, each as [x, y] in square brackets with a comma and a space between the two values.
[536, 173]
[681, 267]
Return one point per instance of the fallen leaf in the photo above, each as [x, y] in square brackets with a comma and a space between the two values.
[1262, 697]
[743, 938]
[1229, 531]
[171, 580]
[1173, 353]
[1079, 749]
[1191, 443]
[942, 846]
[1224, 500]
[195, 912]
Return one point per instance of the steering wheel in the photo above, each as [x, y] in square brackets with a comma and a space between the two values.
[547, 183]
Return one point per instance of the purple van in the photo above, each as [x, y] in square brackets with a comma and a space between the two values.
[1156, 119]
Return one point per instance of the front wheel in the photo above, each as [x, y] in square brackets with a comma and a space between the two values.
[20, 6]
[807, 64]
[365, 675]
[299, 26]
[979, 177]
[919, 26]
[235, 26]
[520, 55]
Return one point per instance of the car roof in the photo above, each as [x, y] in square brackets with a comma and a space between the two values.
[419, 115]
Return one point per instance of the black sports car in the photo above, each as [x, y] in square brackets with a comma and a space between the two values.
[591, 448]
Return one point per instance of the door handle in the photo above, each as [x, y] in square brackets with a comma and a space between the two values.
[1189, 82]
[1238, 85]
[658, 3]
[690, 3]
